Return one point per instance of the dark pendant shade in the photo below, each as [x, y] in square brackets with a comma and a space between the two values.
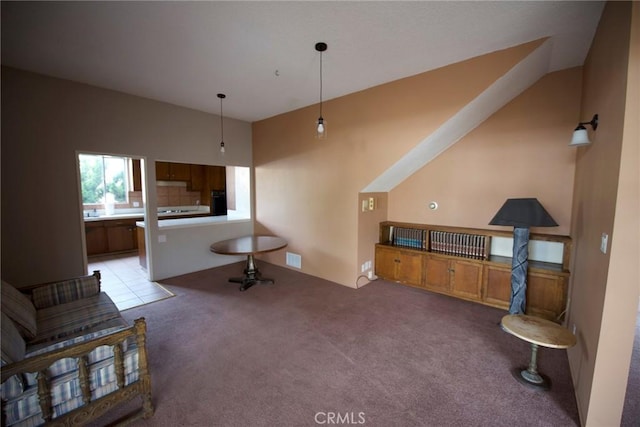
[523, 213]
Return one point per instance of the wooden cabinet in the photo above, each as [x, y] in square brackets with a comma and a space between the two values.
[459, 278]
[96, 237]
[546, 290]
[198, 177]
[436, 275]
[142, 249]
[121, 235]
[404, 266]
[217, 177]
[466, 279]
[457, 262]
[110, 236]
[166, 171]
[136, 174]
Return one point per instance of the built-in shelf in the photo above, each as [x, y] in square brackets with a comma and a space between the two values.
[463, 262]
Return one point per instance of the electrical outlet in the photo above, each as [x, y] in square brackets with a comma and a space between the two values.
[162, 238]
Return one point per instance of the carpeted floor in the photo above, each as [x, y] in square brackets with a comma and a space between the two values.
[306, 351]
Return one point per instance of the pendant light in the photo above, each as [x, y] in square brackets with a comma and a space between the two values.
[221, 96]
[321, 125]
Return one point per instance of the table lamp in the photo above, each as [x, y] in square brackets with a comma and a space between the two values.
[521, 214]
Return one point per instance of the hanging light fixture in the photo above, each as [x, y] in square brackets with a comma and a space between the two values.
[321, 125]
[221, 96]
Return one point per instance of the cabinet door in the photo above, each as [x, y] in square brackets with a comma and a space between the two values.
[466, 279]
[546, 295]
[409, 268]
[96, 238]
[386, 261]
[136, 172]
[497, 286]
[180, 171]
[121, 236]
[437, 274]
[197, 177]
[142, 251]
[162, 171]
[217, 177]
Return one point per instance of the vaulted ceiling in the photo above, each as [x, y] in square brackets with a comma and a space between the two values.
[261, 54]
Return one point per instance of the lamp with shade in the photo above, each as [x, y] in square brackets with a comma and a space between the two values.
[521, 214]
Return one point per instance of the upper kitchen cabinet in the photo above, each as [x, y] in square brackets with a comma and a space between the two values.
[217, 177]
[166, 171]
[198, 177]
[136, 175]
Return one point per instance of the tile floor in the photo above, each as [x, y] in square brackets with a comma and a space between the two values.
[126, 282]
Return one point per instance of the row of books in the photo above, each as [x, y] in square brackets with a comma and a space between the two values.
[409, 238]
[459, 244]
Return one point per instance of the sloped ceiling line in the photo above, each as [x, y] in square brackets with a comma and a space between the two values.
[519, 78]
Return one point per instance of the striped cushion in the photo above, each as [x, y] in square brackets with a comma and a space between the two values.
[65, 320]
[65, 365]
[66, 393]
[65, 291]
[17, 306]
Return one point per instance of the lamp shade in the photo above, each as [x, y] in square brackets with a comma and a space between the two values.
[580, 136]
[523, 213]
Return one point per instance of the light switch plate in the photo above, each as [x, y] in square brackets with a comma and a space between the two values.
[372, 203]
[604, 242]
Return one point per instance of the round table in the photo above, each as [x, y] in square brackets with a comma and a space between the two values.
[249, 246]
[538, 332]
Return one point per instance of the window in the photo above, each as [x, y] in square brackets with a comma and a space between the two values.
[103, 179]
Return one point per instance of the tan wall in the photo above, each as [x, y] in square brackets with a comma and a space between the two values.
[307, 190]
[45, 122]
[520, 151]
[604, 290]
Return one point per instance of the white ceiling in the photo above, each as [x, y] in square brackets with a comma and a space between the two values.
[261, 54]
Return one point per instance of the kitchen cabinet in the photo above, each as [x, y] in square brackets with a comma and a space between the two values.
[198, 177]
[121, 235]
[96, 237]
[136, 173]
[457, 262]
[142, 249]
[166, 171]
[111, 236]
[217, 177]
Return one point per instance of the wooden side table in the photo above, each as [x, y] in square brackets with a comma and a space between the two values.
[538, 332]
[249, 246]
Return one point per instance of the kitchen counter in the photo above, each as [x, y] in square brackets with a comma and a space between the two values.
[163, 214]
[197, 221]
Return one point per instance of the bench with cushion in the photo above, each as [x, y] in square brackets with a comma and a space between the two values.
[68, 355]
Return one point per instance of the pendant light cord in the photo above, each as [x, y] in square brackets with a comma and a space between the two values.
[221, 123]
[320, 84]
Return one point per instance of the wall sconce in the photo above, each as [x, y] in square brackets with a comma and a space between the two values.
[580, 136]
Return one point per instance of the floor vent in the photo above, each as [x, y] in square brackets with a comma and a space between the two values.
[294, 260]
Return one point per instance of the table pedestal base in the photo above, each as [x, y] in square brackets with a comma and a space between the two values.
[531, 376]
[251, 275]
